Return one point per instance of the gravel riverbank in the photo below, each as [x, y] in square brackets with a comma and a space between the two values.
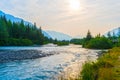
[11, 55]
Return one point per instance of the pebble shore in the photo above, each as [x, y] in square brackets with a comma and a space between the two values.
[11, 55]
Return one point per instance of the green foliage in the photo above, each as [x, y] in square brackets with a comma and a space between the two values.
[117, 42]
[16, 42]
[99, 43]
[106, 68]
[88, 72]
[3, 29]
[20, 42]
[19, 34]
[77, 41]
[89, 36]
[61, 43]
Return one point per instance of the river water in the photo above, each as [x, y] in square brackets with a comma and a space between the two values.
[67, 61]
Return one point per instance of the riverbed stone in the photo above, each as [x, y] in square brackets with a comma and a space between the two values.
[11, 55]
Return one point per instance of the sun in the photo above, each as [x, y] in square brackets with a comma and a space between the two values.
[74, 4]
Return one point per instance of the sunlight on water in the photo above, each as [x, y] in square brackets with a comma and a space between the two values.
[69, 60]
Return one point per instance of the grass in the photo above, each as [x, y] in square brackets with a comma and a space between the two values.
[106, 68]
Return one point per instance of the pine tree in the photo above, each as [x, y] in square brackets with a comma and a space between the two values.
[41, 36]
[109, 35]
[98, 35]
[89, 36]
[3, 29]
[18, 33]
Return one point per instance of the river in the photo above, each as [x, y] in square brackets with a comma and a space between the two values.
[67, 61]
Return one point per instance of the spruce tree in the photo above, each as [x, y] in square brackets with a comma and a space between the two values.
[89, 36]
[3, 29]
[109, 35]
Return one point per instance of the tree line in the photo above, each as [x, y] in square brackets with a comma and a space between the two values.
[98, 42]
[21, 34]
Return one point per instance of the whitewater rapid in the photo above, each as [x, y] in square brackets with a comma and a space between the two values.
[66, 60]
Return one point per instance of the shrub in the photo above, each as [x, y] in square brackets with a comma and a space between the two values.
[99, 43]
[104, 68]
[19, 42]
[88, 72]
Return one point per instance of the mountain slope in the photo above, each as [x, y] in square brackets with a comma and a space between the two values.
[114, 32]
[78, 37]
[58, 35]
[49, 34]
[16, 19]
[13, 19]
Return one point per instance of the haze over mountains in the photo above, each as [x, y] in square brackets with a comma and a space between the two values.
[113, 32]
[58, 35]
[49, 34]
[13, 18]
[53, 34]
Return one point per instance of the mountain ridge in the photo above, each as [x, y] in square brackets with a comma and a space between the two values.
[60, 36]
[113, 32]
[13, 18]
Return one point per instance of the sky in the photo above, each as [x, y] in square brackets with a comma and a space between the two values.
[72, 17]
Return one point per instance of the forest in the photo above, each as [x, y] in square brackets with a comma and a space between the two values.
[21, 34]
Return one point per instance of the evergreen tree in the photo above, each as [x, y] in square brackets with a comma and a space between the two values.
[3, 29]
[9, 28]
[114, 36]
[41, 36]
[89, 36]
[20, 34]
[109, 35]
[98, 35]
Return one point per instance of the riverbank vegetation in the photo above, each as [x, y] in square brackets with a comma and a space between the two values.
[61, 43]
[77, 41]
[98, 42]
[106, 68]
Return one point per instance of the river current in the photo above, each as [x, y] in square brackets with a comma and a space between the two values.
[67, 61]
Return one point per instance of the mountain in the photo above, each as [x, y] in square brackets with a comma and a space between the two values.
[77, 37]
[114, 32]
[49, 34]
[46, 34]
[13, 19]
[16, 19]
[58, 35]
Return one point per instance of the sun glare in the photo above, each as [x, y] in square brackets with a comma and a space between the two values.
[75, 4]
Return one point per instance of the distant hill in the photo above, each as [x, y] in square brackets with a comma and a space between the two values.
[114, 32]
[13, 18]
[58, 35]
